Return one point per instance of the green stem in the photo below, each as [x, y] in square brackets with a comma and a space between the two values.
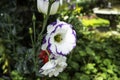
[48, 54]
[33, 46]
[45, 21]
[34, 32]
[84, 61]
[32, 41]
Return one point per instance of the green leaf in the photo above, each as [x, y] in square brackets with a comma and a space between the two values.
[104, 75]
[110, 71]
[107, 62]
[64, 76]
[90, 66]
[84, 77]
[97, 59]
[77, 75]
[76, 58]
[90, 51]
[99, 78]
[94, 70]
[82, 53]
[109, 50]
[88, 72]
[2, 49]
[74, 65]
[103, 69]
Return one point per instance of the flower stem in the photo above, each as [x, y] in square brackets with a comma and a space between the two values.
[45, 22]
[48, 54]
[33, 41]
[34, 31]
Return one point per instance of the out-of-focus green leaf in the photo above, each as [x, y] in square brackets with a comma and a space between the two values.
[107, 62]
[75, 65]
[64, 76]
[84, 77]
[90, 51]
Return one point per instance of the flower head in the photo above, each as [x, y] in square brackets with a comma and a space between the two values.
[54, 66]
[60, 38]
[42, 6]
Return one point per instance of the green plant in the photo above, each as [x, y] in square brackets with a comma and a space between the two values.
[96, 56]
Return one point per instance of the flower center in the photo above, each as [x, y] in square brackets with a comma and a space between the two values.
[58, 38]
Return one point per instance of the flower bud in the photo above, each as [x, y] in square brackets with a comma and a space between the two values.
[33, 17]
[42, 6]
[30, 30]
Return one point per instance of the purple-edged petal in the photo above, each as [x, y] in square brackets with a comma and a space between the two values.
[52, 27]
[45, 42]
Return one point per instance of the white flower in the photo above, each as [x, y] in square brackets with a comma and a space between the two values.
[60, 38]
[66, 17]
[68, 1]
[61, 2]
[54, 66]
[64, 1]
[42, 6]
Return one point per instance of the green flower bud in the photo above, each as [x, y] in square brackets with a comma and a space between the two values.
[33, 17]
[30, 30]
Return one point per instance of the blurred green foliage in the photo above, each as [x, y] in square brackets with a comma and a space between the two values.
[95, 22]
[96, 56]
[16, 54]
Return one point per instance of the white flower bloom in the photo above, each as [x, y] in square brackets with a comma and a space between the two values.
[68, 1]
[54, 66]
[60, 38]
[66, 17]
[61, 2]
[42, 6]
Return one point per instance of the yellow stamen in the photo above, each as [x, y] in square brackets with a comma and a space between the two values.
[58, 38]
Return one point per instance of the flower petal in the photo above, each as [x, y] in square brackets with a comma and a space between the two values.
[42, 6]
[54, 66]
